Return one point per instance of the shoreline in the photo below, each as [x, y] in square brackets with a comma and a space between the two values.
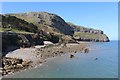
[42, 54]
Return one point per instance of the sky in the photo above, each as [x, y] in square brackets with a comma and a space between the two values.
[98, 15]
[60, 0]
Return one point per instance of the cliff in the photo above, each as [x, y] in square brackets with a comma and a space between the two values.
[35, 27]
[46, 21]
[88, 34]
[53, 23]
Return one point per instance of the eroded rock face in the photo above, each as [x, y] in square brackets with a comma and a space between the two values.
[12, 41]
[9, 42]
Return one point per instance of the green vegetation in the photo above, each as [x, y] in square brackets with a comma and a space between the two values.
[15, 31]
[1, 30]
[13, 22]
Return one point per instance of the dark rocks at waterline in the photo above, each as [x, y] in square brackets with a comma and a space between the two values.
[72, 56]
[85, 50]
[96, 58]
[11, 65]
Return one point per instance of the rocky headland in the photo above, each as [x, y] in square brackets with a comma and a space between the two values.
[24, 36]
[32, 28]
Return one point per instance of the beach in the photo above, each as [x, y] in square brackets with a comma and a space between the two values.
[82, 65]
[37, 55]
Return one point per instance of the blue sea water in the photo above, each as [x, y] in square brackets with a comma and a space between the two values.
[81, 66]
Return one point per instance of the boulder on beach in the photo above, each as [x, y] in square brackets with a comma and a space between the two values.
[86, 50]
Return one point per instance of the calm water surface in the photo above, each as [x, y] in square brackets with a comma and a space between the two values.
[82, 66]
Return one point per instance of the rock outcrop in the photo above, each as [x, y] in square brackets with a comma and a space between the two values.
[12, 41]
[11, 65]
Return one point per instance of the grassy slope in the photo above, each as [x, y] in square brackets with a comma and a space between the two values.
[41, 26]
[15, 30]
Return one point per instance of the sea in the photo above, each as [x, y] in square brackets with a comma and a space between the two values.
[100, 62]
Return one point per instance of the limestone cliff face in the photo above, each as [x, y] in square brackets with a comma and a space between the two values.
[47, 21]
